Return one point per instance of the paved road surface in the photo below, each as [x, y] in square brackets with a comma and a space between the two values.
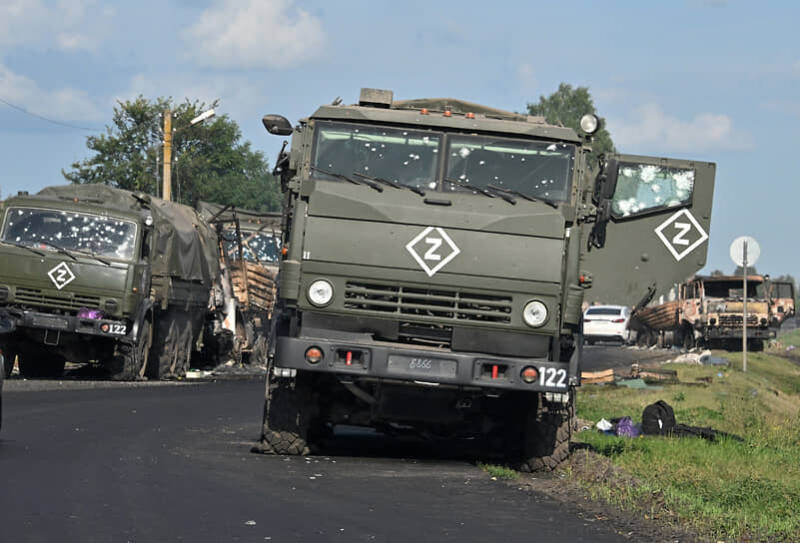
[602, 356]
[172, 463]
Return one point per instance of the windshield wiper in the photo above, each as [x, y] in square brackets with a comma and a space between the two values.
[394, 184]
[523, 195]
[23, 246]
[58, 249]
[93, 255]
[482, 190]
[350, 179]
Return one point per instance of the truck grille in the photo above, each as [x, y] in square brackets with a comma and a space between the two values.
[736, 320]
[33, 296]
[426, 303]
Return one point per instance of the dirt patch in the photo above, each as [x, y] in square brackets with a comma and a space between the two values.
[567, 486]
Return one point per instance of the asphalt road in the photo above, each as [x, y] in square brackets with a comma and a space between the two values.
[172, 463]
[601, 356]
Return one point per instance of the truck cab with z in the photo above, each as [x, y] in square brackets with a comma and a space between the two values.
[434, 269]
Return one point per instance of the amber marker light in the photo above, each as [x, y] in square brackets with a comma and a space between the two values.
[529, 374]
[313, 355]
[284, 251]
[423, 111]
[470, 115]
[447, 113]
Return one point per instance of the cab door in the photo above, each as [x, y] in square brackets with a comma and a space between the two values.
[658, 231]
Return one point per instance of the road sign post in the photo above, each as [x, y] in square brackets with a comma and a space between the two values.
[744, 252]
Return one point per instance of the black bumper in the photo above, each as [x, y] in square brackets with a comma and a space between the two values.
[389, 361]
[734, 333]
[71, 324]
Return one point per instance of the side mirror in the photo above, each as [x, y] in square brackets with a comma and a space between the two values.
[606, 182]
[277, 125]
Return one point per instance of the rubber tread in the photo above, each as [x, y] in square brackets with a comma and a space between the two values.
[288, 412]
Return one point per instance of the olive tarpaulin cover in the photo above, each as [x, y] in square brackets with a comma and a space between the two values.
[248, 220]
[185, 245]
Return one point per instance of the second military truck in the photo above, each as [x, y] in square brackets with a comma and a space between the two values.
[433, 269]
[90, 273]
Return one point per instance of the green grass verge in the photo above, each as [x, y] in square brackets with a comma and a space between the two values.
[725, 489]
[790, 338]
[499, 472]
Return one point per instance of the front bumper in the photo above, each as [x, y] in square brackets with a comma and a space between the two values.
[109, 328]
[734, 333]
[414, 364]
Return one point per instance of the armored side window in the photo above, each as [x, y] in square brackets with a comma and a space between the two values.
[647, 188]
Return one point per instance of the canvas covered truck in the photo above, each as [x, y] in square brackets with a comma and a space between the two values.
[90, 273]
[434, 263]
[708, 311]
[249, 245]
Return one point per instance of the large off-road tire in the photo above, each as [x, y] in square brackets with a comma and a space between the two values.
[544, 435]
[9, 356]
[164, 351]
[129, 363]
[40, 364]
[289, 411]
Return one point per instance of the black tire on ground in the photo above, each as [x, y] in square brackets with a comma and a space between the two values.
[9, 356]
[130, 361]
[164, 351]
[40, 364]
[544, 436]
[289, 412]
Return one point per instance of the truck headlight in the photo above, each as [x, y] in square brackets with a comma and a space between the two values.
[320, 293]
[535, 313]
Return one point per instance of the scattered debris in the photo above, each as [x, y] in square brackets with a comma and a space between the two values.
[604, 426]
[594, 377]
[637, 383]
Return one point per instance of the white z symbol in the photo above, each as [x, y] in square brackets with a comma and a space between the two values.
[61, 275]
[678, 239]
[435, 243]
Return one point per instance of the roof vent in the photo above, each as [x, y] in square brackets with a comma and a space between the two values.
[376, 98]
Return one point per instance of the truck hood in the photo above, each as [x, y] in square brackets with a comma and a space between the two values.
[61, 277]
[441, 234]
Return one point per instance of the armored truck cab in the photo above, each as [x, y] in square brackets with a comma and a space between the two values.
[92, 273]
[432, 270]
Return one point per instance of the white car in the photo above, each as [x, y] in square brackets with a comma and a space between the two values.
[606, 323]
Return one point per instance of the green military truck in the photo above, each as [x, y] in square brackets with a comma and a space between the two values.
[90, 273]
[435, 259]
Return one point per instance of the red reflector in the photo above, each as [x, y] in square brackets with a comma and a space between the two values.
[313, 355]
[618, 320]
[529, 374]
[349, 358]
[494, 371]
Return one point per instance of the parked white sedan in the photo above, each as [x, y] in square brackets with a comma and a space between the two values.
[606, 323]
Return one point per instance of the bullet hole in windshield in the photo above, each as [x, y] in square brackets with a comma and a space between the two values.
[641, 187]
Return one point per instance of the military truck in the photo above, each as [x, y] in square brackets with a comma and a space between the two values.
[249, 244]
[708, 311]
[434, 266]
[90, 273]
[782, 297]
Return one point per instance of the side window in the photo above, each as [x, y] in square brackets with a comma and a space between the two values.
[645, 188]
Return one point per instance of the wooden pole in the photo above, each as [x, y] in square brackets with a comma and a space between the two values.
[166, 191]
[744, 310]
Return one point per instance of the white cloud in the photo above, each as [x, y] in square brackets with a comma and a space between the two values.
[649, 127]
[65, 24]
[255, 34]
[60, 104]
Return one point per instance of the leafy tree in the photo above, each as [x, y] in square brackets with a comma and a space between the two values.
[566, 106]
[717, 273]
[751, 270]
[210, 162]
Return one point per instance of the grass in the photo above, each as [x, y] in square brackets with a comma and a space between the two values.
[790, 338]
[499, 472]
[725, 489]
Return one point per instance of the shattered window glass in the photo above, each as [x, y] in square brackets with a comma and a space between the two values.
[539, 169]
[645, 187]
[261, 247]
[409, 157]
[102, 236]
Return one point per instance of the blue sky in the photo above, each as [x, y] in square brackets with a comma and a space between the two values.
[710, 80]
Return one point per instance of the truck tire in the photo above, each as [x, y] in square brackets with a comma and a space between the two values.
[40, 364]
[130, 361]
[164, 351]
[9, 356]
[545, 435]
[288, 414]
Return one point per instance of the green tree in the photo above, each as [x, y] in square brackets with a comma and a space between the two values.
[751, 270]
[566, 106]
[717, 273]
[210, 162]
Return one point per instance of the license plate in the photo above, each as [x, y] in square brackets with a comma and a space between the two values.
[53, 323]
[422, 366]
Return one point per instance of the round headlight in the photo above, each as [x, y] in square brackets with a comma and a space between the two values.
[590, 123]
[320, 293]
[535, 313]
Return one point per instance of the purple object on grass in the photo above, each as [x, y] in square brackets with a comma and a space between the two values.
[626, 428]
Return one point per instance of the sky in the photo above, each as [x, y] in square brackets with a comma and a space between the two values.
[710, 80]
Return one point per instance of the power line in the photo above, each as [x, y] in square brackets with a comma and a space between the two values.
[25, 111]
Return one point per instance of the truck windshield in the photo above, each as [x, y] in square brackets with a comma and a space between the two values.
[539, 169]
[409, 157]
[256, 246]
[733, 289]
[102, 236]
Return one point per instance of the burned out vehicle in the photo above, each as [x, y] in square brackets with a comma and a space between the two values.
[249, 245]
[782, 301]
[434, 267]
[709, 311]
[89, 273]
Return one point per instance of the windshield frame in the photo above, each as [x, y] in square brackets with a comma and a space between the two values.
[445, 134]
[135, 249]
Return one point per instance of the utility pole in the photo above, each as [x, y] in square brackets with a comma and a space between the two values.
[166, 191]
[744, 310]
